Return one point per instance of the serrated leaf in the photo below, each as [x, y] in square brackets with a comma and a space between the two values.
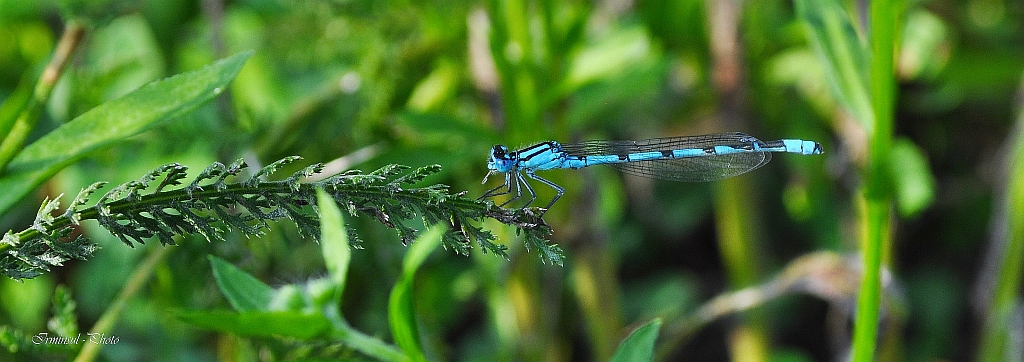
[244, 292]
[639, 346]
[270, 169]
[389, 170]
[113, 121]
[300, 325]
[80, 200]
[306, 172]
[174, 177]
[45, 209]
[10, 238]
[417, 175]
[79, 248]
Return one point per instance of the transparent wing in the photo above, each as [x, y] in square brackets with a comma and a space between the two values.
[696, 169]
[706, 167]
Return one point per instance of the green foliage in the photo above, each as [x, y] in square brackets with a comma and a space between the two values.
[440, 82]
[843, 53]
[63, 324]
[639, 346]
[334, 242]
[861, 76]
[15, 103]
[293, 324]
[915, 189]
[207, 206]
[244, 292]
[311, 312]
[401, 311]
[112, 122]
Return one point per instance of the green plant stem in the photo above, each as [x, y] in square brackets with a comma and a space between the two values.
[1006, 291]
[113, 313]
[875, 239]
[877, 197]
[29, 115]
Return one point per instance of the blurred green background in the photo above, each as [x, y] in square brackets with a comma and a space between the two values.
[420, 83]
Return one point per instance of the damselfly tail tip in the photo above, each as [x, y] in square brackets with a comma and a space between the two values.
[817, 149]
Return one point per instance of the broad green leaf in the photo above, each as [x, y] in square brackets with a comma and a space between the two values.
[244, 292]
[110, 122]
[912, 178]
[844, 56]
[401, 312]
[333, 241]
[639, 346]
[260, 324]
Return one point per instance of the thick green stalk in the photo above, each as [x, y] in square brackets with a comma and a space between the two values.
[14, 141]
[875, 239]
[877, 198]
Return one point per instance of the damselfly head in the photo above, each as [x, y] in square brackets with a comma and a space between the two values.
[500, 160]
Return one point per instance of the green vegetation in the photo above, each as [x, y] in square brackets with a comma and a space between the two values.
[910, 224]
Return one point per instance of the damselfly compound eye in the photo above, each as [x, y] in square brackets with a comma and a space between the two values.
[500, 151]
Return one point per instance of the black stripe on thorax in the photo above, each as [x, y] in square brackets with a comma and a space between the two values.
[529, 152]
